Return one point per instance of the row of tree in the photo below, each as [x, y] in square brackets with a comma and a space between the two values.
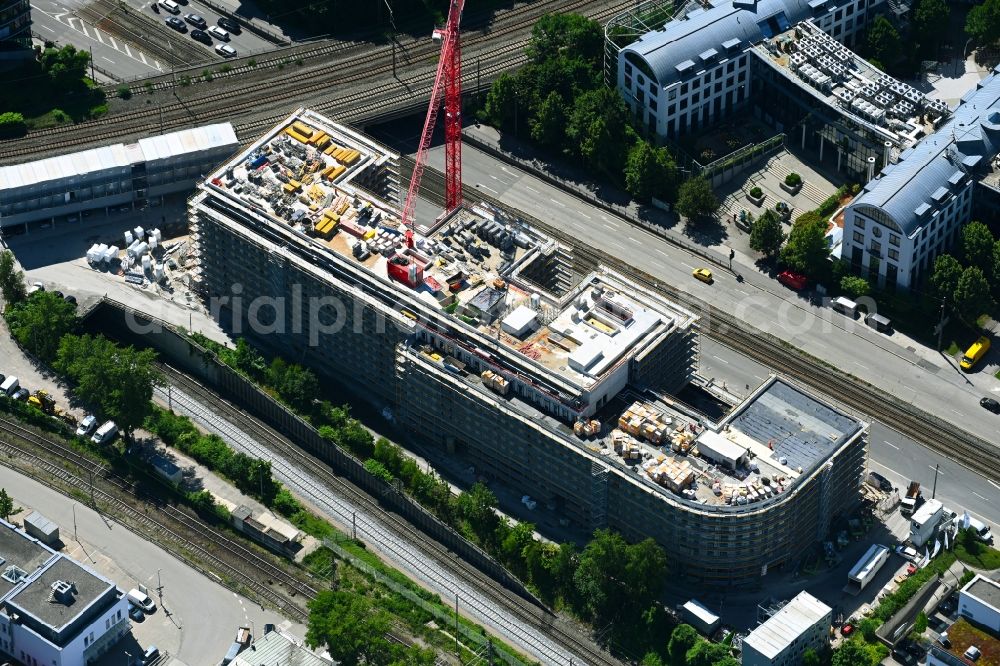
[559, 101]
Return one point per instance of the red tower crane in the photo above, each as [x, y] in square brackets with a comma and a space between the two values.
[447, 83]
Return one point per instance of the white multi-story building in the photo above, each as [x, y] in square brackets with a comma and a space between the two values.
[54, 611]
[976, 632]
[802, 623]
[696, 69]
[914, 209]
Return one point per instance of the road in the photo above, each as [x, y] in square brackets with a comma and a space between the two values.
[894, 363]
[188, 632]
[410, 558]
[56, 21]
[893, 455]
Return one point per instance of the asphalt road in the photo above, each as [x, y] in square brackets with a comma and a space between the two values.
[893, 455]
[186, 630]
[896, 364]
[56, 21]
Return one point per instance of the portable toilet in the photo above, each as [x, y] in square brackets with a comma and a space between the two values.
[128, 238]
[139, 233]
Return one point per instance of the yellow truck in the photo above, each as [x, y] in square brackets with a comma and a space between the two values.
[975, 353]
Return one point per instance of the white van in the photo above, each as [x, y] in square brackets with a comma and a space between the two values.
[105, 433]
[9, 386]
[982, 529]
[170, 6]
[141, 600]
[845, 306]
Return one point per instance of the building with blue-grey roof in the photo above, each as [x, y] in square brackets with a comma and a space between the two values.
[696, 69]
[915, 208]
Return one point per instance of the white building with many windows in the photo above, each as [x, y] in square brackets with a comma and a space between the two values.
[54, 611]
[696, 69]
[914, 209]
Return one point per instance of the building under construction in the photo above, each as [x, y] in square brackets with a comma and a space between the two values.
[477, 336]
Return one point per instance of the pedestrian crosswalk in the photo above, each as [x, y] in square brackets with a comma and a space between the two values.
[94, 34]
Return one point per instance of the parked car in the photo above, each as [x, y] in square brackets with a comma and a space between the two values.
[70, 298]
[793, 280]
[88, 423]
[135, 613]
[142, 600]
[201, 36]
[21, 394]
[225, 50]
[9, 385]
[196, 21]
[170, 6]
[218, 33]
[176, 24]
[230, 25]
[151, 653]
[990, 404]
[846, 629]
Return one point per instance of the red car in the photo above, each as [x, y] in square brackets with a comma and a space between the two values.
[793, 280]
[846, 630]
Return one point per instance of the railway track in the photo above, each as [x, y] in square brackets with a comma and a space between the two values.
[873, 403]
[221, 555]
[539, 618]
[291, 87]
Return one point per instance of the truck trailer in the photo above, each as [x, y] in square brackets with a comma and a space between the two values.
[912, 500]
[866, 568]
[924, 522]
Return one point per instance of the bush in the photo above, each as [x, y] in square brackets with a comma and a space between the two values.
[60, 116]
[226, 68]
[185, 80]
[124, 92]
[252, 62]
[854, 286]
[206, 74]
[377, 469]
[12, 124]
[756, 192]
[793, 179]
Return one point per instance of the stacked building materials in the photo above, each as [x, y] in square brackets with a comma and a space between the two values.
[641, 420]
[676, 475]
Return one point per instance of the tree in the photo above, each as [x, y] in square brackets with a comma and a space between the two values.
[11, 279]
[117, 380]
[65, 67]
[6, 504]
[806, 250]
[855, 286]
[12, 124]
[650, 172]
[766, 234]
[968, 539]
[929, 17]
[502, 101]
[695, 199]
[651, 659]
[706, 653]
[972, 294]
[945, 277]
[548, 126]
[883, 41]
[855, 652]
[571, 35]
[349, 626]
[477, 506]
[982, 23]
[597, 130]
[682, 639]
[40, 322]
[920, 623]
[977, 246]
[810, 658]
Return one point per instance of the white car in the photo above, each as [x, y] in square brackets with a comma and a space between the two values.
[225, 50]
[218, 33]
[170, 6]
[86, 425]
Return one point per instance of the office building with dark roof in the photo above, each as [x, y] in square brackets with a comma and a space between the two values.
[15, 31]
[54, 611]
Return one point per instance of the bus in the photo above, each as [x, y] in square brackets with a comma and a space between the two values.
[975, 353]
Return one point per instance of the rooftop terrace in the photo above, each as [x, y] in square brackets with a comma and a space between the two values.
[963, 635]
[840, 78]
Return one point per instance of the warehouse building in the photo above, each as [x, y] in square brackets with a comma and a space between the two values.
[801, 624]
[475, 333]
[54, 610]
[64, 187]
[15, 32]
[915, 209]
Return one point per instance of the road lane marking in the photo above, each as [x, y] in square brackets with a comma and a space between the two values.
[128, 50]
[860, 365]
[584, 214]
[685, 265]
[108, 59]
[721, 360]
[142, 56]
[617, 245]
[980, 496]
[993, 484]
[47, 28]
[487, 188]
[940, 471]
[885, 441]
[663, 253]
[558, 203]
[531, 189]
[608, 226]
[635, 240]
[98, 33]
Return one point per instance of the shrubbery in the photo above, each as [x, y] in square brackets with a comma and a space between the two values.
[12, 124]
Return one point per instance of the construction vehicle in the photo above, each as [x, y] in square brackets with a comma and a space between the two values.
[912, 500]
[42, 401]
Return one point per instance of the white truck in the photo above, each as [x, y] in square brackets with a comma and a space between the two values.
[866, 568]
[924, 522]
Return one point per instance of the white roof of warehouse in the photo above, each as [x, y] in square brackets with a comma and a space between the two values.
[117, 156]
[188, 141]
[782, 628]
[63, 166]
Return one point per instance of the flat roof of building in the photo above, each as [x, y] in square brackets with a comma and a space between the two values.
[985, 590]
[303, 177]
[962, 635]
[118, 156]
[700, 611]
[20, 556]
[784, 627]
[36, 598]
[276, 649]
